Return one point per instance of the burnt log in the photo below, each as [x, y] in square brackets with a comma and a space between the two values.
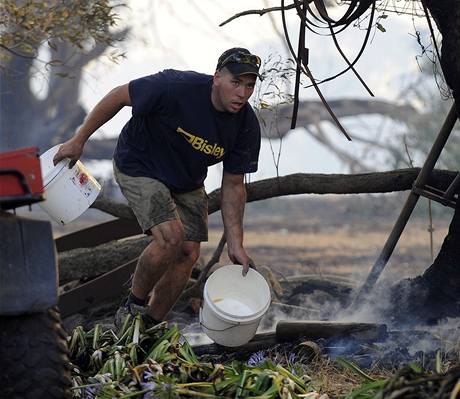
[289, 331]
[292, 330]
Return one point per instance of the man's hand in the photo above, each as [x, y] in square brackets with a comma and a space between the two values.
[232, 208]
[240, 257]
[71, 149]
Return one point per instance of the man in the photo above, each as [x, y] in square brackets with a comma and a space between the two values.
[182, 122]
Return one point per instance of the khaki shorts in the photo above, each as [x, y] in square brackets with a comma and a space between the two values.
[154, 203]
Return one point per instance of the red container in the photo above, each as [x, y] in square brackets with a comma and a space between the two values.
[20, 175]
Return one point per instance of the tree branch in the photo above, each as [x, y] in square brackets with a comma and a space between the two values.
[256, 12]
[312, 111]
[354, 163]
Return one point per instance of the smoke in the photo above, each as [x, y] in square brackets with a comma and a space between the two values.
[408, 340]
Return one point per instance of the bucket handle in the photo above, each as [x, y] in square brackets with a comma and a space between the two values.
[213, 329]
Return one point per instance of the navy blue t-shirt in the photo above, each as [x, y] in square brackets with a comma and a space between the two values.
[175, 133]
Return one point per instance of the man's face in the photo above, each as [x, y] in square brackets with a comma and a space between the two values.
[231, 93]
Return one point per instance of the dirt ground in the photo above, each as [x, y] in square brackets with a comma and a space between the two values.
[340, 235]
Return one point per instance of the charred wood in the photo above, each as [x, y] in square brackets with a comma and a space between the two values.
[434, 295]
[291, 330]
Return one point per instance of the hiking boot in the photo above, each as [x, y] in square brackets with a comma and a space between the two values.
[125, 311]
[149, 321]
[130, 310]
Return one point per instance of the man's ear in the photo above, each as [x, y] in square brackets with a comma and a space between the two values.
[216, 77]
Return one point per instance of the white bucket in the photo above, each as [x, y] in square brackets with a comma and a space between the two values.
[233, 305]
[68, 192]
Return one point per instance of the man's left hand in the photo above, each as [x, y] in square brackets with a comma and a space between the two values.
[240, 257]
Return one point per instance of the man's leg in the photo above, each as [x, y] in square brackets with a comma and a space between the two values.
[157, 257]
[168, 290]
[174, 250]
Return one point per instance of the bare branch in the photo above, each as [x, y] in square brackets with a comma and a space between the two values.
[354, 163]
[256, 12]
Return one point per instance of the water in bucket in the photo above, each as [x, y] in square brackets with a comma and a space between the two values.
[68, 192]
[233, 305]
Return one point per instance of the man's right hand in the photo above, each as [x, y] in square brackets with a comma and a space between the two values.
[71, 149]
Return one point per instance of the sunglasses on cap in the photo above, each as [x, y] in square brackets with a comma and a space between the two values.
[241, 58]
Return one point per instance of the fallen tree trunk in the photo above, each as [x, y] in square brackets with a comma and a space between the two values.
[309, 183]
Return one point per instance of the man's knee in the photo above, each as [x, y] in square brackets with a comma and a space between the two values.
[169, 236]
[191, 251]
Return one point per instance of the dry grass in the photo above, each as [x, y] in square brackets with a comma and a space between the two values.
[328, 377]
[348, 250]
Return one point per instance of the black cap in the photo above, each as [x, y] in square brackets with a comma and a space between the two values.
[239, 61]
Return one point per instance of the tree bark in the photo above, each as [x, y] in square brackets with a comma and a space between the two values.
[28, 120]
[88, 263]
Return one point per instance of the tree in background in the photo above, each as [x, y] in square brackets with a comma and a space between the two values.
[73, 33]
[433, 100]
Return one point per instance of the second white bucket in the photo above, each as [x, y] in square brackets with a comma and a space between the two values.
[233, 305]
[68, 192]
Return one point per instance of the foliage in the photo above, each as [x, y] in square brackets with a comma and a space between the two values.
[26, 25]
[271, 93]
[370, 386]
[410, 381]
[158, 362]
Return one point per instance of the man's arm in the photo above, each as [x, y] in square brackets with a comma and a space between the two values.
[104, 110]
[232, 207]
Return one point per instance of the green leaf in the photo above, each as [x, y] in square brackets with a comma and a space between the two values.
[354, 368]
[367, 391]
[187, 353]
[438, 366]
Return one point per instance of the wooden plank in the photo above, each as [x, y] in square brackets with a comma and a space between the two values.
[107, 286]
[98, 234]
